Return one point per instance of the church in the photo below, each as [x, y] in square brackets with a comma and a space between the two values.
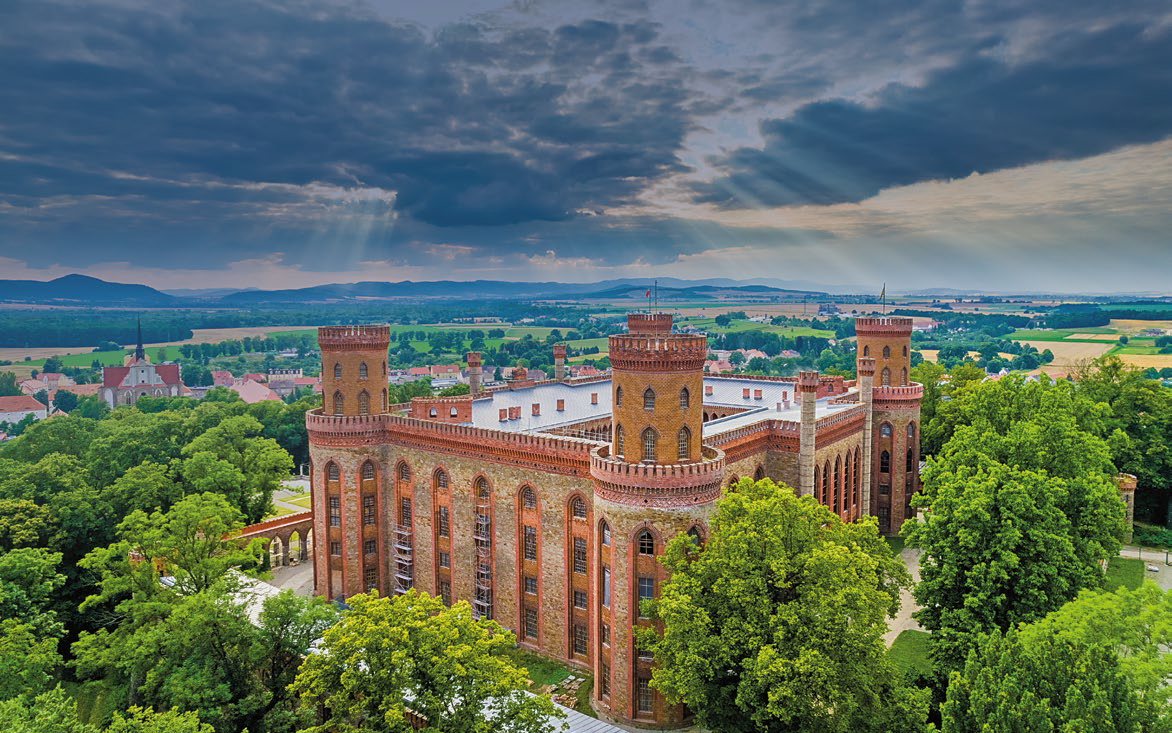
[545, 503]
[138, 377]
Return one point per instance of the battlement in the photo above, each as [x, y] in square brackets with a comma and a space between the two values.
[473, 359]
[808, 381]
[866, 366]
[901, 325]
[912, 391]
[448, 409]
[354, 338]
[657, 484]
[669, 352]
[1127, 482]
[648, 324]
[559, 351]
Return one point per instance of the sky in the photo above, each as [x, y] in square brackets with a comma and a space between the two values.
[1003, 145]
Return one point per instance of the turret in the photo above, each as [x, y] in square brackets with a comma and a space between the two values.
[354, 369]
[559, 361]
[474, 372]
[887, 340]
[808, 389]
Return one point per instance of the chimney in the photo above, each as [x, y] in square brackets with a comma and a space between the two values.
[808, 385]
[474, 372]
[559, 361]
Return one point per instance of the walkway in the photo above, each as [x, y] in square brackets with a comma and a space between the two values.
[903, 620]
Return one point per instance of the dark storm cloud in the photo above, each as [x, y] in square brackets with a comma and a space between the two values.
[1093, 93]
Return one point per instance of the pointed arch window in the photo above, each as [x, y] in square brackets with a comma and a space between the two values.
[648, 440]
[910, 458]
[385, 406]
[903, 376]
[367, 471]
[618, 396]
[339, 403]
[332, 472]
[759, 473]
[885, 430]
[619, 440]
[648, 399]
[685, 398]
[363, 403]
[337, 370]
[578, 508]
[884, 462]
[684, 444]
[885, 377]
[441, 479]
[362, 373]
[867, 350]
[646, 543]
[404, 472]
[695, 536]
[528, 498]
[604, 530]
[482, 490]
[905, 350]
[886, 352]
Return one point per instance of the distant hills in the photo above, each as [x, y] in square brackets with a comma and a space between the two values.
[82, 290]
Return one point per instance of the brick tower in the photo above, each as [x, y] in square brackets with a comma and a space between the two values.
[884, 351]
[346, 470]
[653, 481]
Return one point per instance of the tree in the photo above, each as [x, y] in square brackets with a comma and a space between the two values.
[52, 365]
[777, 624]
[29, 662]
[386, 655]
[64, 401]
[50, 712]
[455, 390]
[8, 386]
[23, 523]
[29, 580]
[92, 407]
[146, 487]
[736, 358]
[260, 462]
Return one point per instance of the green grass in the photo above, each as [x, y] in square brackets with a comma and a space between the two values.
[602, 342]
[549, 672]
[709, 324]
[299, 500]
[1124, 571]
[909, 653]
[1059, 334]
[106, 358]
[896, 544]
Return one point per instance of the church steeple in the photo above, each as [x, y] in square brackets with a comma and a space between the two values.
[139, 352]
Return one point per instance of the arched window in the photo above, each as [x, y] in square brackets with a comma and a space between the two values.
[384, 369]
[908, 466]
[578, 508]
[684, 444]
[619, 439]
[648, 440]
[604, 531]
[885, 377]
[837, 484]
[528, 498]
[441, 478]
[759, 473]
[482, 490]
[404, 472]
[363, 403]
[362, 370]
[911, 431]
[648, 399]
[337, 370]
[367, 470]
[867, 350]
[618, 396]
[885, 430]
[886, 352]
[685, 398]
[432, 413]
[385, 405]
[332, 472]
[903, 376]
[339, 403]
[646, 543]
[695, 536]
[453, 413]
[827, 487]
[905, 350]
[884, 462]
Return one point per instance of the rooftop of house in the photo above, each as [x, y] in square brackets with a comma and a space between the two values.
[20, 403]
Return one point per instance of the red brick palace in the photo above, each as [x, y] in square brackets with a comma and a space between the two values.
[545, 504]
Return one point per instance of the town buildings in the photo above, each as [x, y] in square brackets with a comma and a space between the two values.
[544, 503]
[138, 377]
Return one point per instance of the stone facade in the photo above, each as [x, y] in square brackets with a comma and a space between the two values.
[556, 535]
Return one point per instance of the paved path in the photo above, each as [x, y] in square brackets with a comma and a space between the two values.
[903, 620]
[297, 577]
[1152, 558]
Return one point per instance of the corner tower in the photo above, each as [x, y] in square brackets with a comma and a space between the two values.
[354, 369]
[884, 356]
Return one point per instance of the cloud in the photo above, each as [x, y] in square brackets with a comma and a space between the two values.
[1093, 93]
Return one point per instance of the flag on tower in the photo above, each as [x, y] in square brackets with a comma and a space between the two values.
[883, 297]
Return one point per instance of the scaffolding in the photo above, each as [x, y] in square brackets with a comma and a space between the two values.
[482, 534]
[404, 550]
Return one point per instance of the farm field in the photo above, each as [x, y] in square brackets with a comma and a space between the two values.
[709, 324]
[931, 354]
[1144, 361]
[1070, 353]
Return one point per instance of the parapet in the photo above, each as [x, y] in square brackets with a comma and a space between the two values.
[667, 352]
[893, 325]
[559, 351]
[808, 381]
[866, 366]
[1127, 482]
[354, 338]
[473, 359]
[648, 324]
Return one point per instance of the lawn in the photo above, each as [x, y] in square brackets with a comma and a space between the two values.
[909, 653]
[1124, 571]
[548, 672]
[896, 544]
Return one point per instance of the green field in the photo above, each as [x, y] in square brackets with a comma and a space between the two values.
[909, 653]
[107, 358]
[1058, 334]
[709, 324]
[1124, 571]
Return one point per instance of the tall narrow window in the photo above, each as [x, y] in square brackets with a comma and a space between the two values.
[368, 510]
[646, 592]
[580, 639]
[618, 440]
[339, 403]
[578, 508]
[618, 396]
[445, 589]
[646, 543]
[648, 399]
[528, 498]
[866, 351]
[363, 403]
[648, 446]
[885, 379]
[580, 555]
[885, 430]
[530, 542]
[370, 578]
[335, 512]
[685, 398]
[580, 600]
[404, 472]
[385, 406]
[362, 370]
[405, 512]
[884, 462]
[695, 537]
[684, 444]
[605, 532]
[441, 479]
[337, 370]
[605, 586]
[443, 521]
[886, 352]
[606, 680]
[367, 471]
[903, 377]
[332, 472]
[369, 547]
[908, 466]
[531, 623]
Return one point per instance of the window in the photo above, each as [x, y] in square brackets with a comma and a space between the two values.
[339, 403]
[884, 489]
[445, 589]
[884, 519]
[337, 370]
[531, 623]
[531, 584]
[370, 578]
[886, 352]
[885, 430]
[645, 698]
[908, 466]
[363, 403]
[335, 511]
[645, 654]
[405, 512]
[911, 431]
[367, 471]
[695, 537]
[884, 462]
[445, 560]
[369, 547]
[618, 397]
[885, 377]
[580, 555]
[903, 376]
[332, 473]
[606, 586]
[441, 479]
[580, 599]
[605, 531]
[606, 680]
[367, 510]
[646, 591]
[685, 398]
[619, 448]
[530, 542]
[482, 490]
[335, 548]
[604, 633]
[905, 350]
[528, 498]
[648, 399]
[648, 445]
[683, 444]
[646, 543]
[404, 472]
[578, 508]
[362, 370]
[385, 406]
[443, 521]
[580, 639]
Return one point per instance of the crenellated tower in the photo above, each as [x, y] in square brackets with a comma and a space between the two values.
[354, 369]
[884, 360]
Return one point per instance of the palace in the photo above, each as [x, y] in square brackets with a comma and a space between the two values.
[545, 503]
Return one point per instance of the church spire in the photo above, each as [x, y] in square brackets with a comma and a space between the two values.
[139, 352]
